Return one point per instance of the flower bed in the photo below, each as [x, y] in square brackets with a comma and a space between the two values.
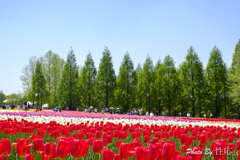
[78, 135]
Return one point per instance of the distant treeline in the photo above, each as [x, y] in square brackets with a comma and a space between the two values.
[163, 86]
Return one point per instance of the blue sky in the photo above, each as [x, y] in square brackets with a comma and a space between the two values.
[157, 28]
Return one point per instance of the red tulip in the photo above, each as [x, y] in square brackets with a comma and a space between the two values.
[63, 147]
[123, 135]
[97, 146]
[219, 150]
[125, 149]
[33, 136]
[189, 141]
[183, 138]
[107, 154]
[109, 139]
[104, 142]
[23, 147]
[230, 139]
[184, 148]
[43, 155]
[142, 153]
[5, 147]
[38, 145]
[79, 149]
[146, 139]
[8, 131]
[160, 156]
[75, 135]
[117, 157]
[154, 151]
[238, 145]
[118, 144]
[50, 148]
[168, 151]
[29, 157]
[41, 133]
[3, 157]
[98, 134]
[196, 153]
[231, 147]
[116, 134]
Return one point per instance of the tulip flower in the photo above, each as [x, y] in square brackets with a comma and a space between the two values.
[146, 139]
[63, 147]
[118, 144]
[23, 147]
[38, 145]
[5, 147]
[125, 151]
[142, 153]
[29, 157]
[50, 148]
[3, 157]
[117, 156]
[219, 150]
[196, 153]
[154, 149]
[238, 145]
[107, 154]
[33, 136]
[43, 155]
[79, 149]
[168, 151]
[75, 135]
[98, 134]
[183, 138]
[230, 139]
[231, 147]
[97, 146]
[184, 148]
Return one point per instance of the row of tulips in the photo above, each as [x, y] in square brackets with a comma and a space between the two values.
[92, 118]
[107, 141]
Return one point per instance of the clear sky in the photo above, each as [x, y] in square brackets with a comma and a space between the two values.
[157, 27]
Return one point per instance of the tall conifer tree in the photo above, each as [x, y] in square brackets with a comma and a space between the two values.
[216, 78]
[125, 92]
[192, 78]
[68, 83]
[106, 80]
[86, 83]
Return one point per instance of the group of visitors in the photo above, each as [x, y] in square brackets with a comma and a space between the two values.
[57, 109]
[26, 106]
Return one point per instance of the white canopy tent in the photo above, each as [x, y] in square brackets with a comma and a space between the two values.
[45, 106]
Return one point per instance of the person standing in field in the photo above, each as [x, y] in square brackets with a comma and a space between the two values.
[18, 107]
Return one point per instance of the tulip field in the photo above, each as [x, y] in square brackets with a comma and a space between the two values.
[70, 135]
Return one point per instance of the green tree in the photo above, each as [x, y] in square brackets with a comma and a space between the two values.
[39, 88]
[86, 82]
[27, 73]
[168, 84]
[139, 101]
[2, 98]
[216, 78]
[192, 80]
[146, 83]
[52, 69]
[157, 95]
[234, 78]
[68, 84]
[125, 92]
[106, 80]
